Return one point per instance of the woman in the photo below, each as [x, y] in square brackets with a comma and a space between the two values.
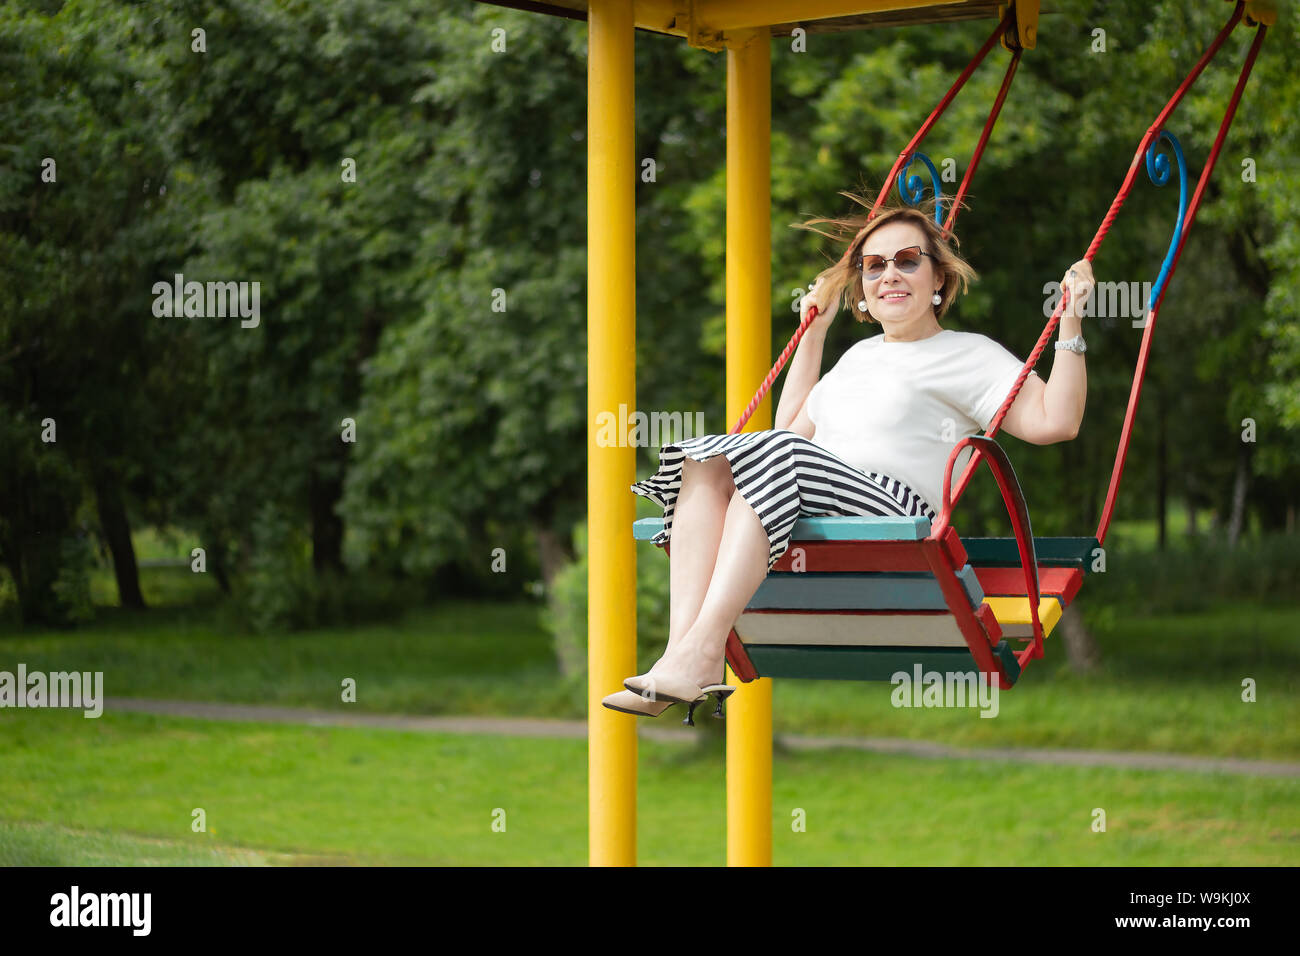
[870, 437]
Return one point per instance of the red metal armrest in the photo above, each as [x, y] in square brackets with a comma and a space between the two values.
[989, 451]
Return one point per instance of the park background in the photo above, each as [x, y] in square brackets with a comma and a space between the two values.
[437, 560]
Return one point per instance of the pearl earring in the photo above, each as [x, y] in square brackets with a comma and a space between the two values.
[862, 305]
[937, 299]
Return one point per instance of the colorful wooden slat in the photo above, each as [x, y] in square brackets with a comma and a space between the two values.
[1013, 615]
[978, 627]
[738, 658]
[879, 591]
[812, 662]
[820, 556]
[863, 628]
[813, 534]
[867, 590]
[829, 528]
[1058, 552]
[990, 622]
[1060, 583]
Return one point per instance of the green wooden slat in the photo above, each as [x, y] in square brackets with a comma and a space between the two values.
[1053, 552]
[865, 663]
[1007, 656]
[853, 663]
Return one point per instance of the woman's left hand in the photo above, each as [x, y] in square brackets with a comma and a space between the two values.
[1079, 283]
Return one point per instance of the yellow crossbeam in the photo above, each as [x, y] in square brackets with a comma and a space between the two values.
[736, 14]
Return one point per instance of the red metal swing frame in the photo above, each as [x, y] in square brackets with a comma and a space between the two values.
[942, 552]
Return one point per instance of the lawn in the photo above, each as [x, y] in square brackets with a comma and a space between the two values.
[122, 789]
[1171, 682]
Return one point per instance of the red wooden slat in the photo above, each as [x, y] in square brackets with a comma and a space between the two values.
[739, 660]
[971, 623]
[990, 622]
[1010, 582]
[855, 556]
[953, 548]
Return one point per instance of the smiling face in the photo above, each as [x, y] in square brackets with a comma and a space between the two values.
[901, 301]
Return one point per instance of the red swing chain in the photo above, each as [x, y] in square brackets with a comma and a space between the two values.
[1140, 372]
[903, 157]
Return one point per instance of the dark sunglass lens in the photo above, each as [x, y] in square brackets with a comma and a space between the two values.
[873, 266]
[908, 260]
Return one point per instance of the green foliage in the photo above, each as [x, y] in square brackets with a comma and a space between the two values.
[282, 592]
[278, 593]
[379, 297]
[565, 615]
[72, 585]
[1263, 571]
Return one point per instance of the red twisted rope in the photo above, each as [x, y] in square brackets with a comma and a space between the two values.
[1138, 158]
[893, 173]
[1148, 332]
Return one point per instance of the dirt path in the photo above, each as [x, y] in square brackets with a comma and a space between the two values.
[535, 727]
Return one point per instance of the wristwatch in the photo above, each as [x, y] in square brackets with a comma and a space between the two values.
[1075, 344]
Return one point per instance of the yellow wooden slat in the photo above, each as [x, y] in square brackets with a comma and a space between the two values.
[1013, 615]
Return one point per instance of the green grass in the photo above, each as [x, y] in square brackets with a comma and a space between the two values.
[49, 844]
[1144, 533]
[1171, 682]
[276, 794]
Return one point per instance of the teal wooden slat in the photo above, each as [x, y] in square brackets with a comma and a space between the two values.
[864, 528]
[1010, 663]
[893, 591]
[862, 663]
[1055, 552]
[833, 528]
[971, 583]
[643, 529]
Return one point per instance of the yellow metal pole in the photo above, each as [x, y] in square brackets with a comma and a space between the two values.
[611, 381]
[749, 356]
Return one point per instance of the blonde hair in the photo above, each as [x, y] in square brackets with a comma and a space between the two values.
[843, 278]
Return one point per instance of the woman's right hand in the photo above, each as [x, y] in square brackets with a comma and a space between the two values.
[825, 310]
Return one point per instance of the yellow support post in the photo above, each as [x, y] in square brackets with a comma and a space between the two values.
[611, 381]
[749, 356]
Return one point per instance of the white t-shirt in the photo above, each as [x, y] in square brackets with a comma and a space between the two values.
[898, 408]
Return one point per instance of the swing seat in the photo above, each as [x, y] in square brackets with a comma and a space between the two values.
[863, 597]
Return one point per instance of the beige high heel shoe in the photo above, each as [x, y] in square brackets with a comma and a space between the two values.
[679, 690]
[629, 703]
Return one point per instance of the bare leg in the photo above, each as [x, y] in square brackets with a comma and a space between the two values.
[698, 518]
[740, 568]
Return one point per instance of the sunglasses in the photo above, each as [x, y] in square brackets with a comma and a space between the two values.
[906, 260]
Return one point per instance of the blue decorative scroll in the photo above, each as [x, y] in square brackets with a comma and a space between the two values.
[1158, 170]
[912, 188]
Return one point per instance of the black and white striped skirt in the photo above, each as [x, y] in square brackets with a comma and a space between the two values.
[782, 475]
